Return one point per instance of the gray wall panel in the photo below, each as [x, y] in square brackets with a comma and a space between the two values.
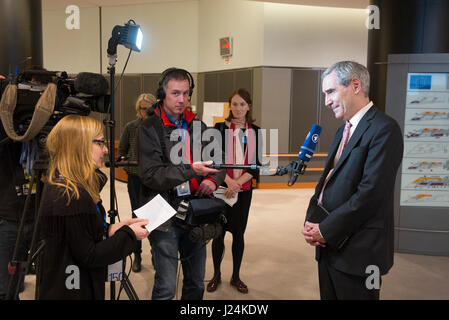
[305, 105]
[244, 79]
[200, 91]
[211, 87]
[419, 242]
[276, 99]
[419, 229]
[424, 218]
[257, 81]
[150, 83]
[131, 89]
[225, 85]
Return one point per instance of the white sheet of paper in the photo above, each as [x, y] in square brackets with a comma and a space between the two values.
[219, 193]
[157, 211]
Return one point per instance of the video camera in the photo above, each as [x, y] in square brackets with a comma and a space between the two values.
[34, 101]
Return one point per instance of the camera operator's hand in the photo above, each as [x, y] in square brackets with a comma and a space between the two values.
[201, 169]
[2, 77]
[206, 187]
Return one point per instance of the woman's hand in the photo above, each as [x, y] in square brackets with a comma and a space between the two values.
[114, 227]
[139, 229]
[233, 188]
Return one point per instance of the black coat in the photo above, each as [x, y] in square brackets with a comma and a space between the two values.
[74, 236]
[359, 230]
[157, 172]
[12, 175]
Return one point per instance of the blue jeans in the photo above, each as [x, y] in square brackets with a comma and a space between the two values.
[165, 247]
[8, 237]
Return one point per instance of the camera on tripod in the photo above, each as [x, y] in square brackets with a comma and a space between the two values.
[30, 109]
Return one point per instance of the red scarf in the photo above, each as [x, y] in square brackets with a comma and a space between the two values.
[236, 154]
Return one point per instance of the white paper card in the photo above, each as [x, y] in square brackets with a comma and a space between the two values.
[220, 194]
[156, 211]
[115, 271]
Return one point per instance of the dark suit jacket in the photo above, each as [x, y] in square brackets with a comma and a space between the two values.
[359, 196]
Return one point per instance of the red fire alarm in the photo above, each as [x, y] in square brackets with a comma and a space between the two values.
[226, 47]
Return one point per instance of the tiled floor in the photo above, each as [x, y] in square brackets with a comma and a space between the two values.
[278, 264]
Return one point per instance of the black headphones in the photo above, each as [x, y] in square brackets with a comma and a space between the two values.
[160, 93]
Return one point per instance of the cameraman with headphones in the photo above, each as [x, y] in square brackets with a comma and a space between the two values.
[161, 174]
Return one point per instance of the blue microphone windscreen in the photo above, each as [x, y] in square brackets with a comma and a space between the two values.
[309, 145]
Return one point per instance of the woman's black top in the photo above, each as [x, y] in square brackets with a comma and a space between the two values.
[76, 244]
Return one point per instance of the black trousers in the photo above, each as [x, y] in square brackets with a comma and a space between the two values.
[237, 219]
[337, 285]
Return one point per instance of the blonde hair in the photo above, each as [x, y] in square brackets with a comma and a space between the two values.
[71, 163]
[148, 97]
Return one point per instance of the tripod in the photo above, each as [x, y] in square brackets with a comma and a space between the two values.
[17, 268]
[113, 212]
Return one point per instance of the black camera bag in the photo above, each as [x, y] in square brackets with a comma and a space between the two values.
[204, 210]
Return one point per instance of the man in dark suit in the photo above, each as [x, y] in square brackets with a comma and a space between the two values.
[354, 242]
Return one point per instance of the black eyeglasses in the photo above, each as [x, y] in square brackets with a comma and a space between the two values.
[101, 143]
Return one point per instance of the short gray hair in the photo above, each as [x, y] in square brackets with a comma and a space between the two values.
[348, 70]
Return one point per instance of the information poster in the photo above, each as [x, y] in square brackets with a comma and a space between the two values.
[425, 166]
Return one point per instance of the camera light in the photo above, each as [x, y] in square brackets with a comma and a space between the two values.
[130, 35]
[139, 39]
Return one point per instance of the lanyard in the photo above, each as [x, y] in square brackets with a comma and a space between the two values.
[185, 140]
[182, 130]
[102, 216]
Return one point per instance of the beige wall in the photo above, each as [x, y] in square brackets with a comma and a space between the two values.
[241, 20]
[186, 34]
[305, 36]
[170, 35]
[71, 50]
[170, 38]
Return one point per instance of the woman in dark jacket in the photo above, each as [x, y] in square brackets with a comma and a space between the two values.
[79, 244]
[128, 148]
[239, 136]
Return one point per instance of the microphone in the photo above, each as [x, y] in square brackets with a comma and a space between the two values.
[305, 154]
[295, 168]
[309, 145]
[91, 83]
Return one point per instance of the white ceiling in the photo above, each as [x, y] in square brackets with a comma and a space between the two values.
[57, 4]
